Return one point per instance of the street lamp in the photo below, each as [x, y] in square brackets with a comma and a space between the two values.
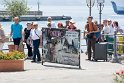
[90, 4]
[100, 5]
[38, 4]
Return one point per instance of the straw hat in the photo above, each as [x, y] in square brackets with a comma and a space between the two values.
[35, 23]
[72, 21]
[109, 20]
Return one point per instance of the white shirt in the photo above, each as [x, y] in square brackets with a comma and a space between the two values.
[111, 30]
[116, 29]
[53, 25]
[35, 34]
[106, 30]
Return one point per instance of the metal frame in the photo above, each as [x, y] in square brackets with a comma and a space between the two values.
[115, 59]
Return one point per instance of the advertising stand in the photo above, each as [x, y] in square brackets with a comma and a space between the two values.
[61, 46]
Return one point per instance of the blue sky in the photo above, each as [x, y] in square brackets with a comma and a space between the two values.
[61, 2]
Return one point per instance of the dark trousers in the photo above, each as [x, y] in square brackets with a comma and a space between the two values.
[91, 46]
[36, 52]
[30, 54]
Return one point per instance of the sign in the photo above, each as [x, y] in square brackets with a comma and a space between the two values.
[61, 46]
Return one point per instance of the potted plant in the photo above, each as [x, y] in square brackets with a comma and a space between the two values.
[11, 47]
[119, 77]
[11, 61]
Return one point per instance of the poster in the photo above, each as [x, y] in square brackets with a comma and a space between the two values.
[61, 46]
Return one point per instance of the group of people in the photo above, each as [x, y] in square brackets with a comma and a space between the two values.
[107, 30]
[32, 35]
[69, 24]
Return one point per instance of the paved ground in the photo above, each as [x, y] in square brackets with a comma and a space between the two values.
[91, 72]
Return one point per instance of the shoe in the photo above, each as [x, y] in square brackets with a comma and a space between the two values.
[38, 60]
[29, 58]
[33, 61]
[88, 59]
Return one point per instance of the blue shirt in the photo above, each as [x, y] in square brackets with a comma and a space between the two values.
[16, 30]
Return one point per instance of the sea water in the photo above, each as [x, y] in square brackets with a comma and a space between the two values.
[78, 11]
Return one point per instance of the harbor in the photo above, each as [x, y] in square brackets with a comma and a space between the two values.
[55, 46]
[31, 15]
[36, 18]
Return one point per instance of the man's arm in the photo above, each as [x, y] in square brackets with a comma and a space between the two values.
[22, 33]
[24, 36]
[96, 28]
[11, 30]
[41, 39]
[85, 31]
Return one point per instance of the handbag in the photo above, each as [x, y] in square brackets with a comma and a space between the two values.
[28, 40]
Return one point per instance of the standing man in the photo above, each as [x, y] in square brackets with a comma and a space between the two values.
[91, 27]
[36, 36]
[16, 32]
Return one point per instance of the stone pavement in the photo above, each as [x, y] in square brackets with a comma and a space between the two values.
[91, 72]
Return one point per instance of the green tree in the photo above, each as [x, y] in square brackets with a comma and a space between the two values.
[16, 7]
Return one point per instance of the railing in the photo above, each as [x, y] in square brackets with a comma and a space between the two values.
[28, 13]
[115, 44]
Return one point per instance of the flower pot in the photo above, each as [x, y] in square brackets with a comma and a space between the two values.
[11, 65]
[12, 48]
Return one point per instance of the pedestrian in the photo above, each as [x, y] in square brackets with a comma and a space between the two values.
[36, 36]
[52, 24]
[60, 25]
[96, 23]
[2, 38]
[111, 28]
[85, 35]
[116, 26]
[110, 37]
[16, 33]
[67, 24]
[91, 39]
[27, 39]
[72, 25]
[105, 30]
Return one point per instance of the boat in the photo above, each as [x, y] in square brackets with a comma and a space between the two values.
[118, 9]
[32, 16]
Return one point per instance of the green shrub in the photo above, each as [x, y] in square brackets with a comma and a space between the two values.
[15, 55]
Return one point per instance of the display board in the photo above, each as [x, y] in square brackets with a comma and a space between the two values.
[61, 46]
